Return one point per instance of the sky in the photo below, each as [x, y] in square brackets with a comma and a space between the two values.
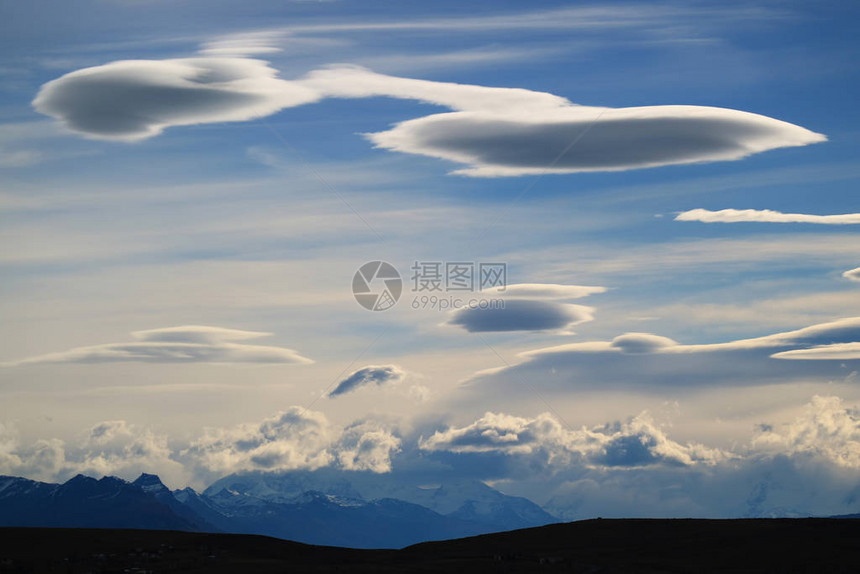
[190, 190]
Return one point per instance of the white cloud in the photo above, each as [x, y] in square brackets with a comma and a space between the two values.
[293, 439]
[764, 216]
[41, 460]
[379, 375]
[637, 442]
[545, 291]
[243, 44]
[838, 352]
[185, 344]
[641, 343]
[365, 446]
[853, 275]
[126, 450]
[827, 429]
[109, 448]
[357, 82]
[493, 131]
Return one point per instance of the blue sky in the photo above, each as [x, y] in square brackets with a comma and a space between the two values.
[133, 212]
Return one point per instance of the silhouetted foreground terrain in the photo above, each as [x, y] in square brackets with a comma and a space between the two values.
[760, 545]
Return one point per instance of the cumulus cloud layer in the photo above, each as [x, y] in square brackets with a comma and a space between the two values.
[764, 216]
[371, 375]
[521, 315]
[800, 467]
[826, 429]
[804, 467]
[647, 361]
[637, 442]
[492, 131]
[293, 439]
[185, 344]
[108, 448]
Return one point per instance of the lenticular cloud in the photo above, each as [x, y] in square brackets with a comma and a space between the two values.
[185, 344]
[581, 139]
[138, 99]
[490, 131]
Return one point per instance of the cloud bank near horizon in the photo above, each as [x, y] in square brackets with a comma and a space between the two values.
[621, 467]
[492, 131]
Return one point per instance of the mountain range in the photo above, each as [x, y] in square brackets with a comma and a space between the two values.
[337, 509]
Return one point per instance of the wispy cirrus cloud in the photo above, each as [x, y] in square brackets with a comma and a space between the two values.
[765, 216]
[185, 344]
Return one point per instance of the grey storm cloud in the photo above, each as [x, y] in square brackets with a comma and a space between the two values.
[492, 131]
[369, 376]
[185, 344]
[521, 315]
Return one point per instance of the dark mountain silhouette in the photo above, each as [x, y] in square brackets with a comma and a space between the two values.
[86, 502]
[746, 546]
[465, 500]
[283, 506]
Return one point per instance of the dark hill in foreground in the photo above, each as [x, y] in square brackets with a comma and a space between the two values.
[761, 545]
